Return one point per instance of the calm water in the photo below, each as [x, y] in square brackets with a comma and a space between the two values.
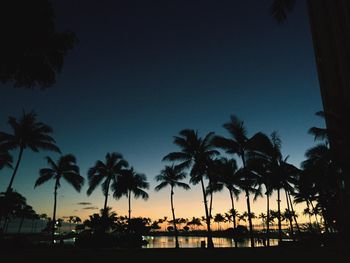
[188, 242]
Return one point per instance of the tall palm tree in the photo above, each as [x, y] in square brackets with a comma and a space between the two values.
[283, 177]
[195, 153]
[171, 175]
[227, 168]
[65, 168]
[130, 182]
[27, 133]
[324, 174]
[107, 172]
[259, 165]
[214, 182]
[239, 143]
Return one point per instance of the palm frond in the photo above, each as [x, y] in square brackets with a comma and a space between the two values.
[74, 179]
[319, 133]
[45, 175]
[183, 185]
[161, 186]
[140, 193]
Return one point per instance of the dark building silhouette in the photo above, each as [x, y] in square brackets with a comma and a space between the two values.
[330, 26]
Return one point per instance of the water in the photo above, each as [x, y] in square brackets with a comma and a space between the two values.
[193, 242]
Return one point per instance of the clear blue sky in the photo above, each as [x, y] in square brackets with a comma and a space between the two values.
[144, 70]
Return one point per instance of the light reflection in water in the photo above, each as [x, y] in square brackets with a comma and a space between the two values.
[193, 242]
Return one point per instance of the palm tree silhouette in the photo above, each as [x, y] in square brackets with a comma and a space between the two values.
[130, 182]
[108, 171]
[104, 221]
[227, 168]
[215, 183]
[171, 175]
[27, 133]
[65, 168]
[240, 144]
[196, 153]
[323, 173]
[219, 218]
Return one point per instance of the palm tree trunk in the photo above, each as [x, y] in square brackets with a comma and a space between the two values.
[248, 208]
[279, 216]
[16, 168]
[209, 235]
[174, 218]
[106, 196]
[211, 204]
[294, 215]
[268, 219]
[233, 210]
[20, 225]
[129, 197]
[250, 220]
[54, 213]
[289, 217]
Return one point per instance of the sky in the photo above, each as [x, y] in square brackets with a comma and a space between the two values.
[144, 70]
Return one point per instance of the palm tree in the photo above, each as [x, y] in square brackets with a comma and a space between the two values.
[107, 172]
[130, 182]
[240, 144]
[171, 175]
[65, 168]
[195, 222]
[324, 175]
[102, 222]
[195, 153]
[219, 218]
[227, 169]
[214, 184]
[27, 133]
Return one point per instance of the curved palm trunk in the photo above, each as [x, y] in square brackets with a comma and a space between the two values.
[211, 205]
[268, 219]
[279, 216]
[209, 234]
[293, 212]
[106, 196]
[129, 211]
[54, 213]
[174, 218]
[233, 210]
[16, 168]
[290, 217]
[248, 208]
[250, 220]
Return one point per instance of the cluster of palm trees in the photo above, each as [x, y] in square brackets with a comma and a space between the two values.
[263, 170]
[260, 170]
[28, 133]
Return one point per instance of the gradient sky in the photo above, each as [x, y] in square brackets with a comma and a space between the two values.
[144, 70]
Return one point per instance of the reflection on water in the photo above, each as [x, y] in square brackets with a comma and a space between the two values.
[188, 242]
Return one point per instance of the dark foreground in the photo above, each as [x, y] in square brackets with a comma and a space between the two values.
[75, 255]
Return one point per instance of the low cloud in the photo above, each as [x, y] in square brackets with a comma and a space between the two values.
[90, 208]
[84, 203]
